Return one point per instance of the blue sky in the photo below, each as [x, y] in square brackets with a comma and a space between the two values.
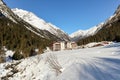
[69, 15]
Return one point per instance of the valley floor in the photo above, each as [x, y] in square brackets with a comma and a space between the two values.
[99, 63]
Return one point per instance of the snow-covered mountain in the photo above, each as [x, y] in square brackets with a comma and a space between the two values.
[18, 35]
[8, 13]
[4, 10]
[40, 23]
[114, 17]
[110, 31]
[80, 34]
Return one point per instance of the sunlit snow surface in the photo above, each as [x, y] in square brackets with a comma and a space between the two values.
[99, 63]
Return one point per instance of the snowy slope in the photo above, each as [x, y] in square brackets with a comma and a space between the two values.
[100, 63]
[80, 34]
[40, 23]
[85, 33]
[1, 2]
[6, 12]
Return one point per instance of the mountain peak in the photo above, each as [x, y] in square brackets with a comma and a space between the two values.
[39, 23]
[85, 33]
[32, 19]
[92, 31]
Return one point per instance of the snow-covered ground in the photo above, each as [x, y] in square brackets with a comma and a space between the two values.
[98, 63]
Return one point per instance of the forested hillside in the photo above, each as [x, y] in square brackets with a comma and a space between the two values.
[17, 38]
[109, 32]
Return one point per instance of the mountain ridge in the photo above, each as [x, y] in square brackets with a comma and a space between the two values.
[21, 37]
[81, 34]
[85, 33]
[109, 32]
[39, 23]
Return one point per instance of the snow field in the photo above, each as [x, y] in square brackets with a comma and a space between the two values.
[98, 63]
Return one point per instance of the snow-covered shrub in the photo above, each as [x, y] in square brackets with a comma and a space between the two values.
[17, 56]
[54, 64]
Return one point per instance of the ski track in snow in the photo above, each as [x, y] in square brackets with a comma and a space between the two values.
[100, 63]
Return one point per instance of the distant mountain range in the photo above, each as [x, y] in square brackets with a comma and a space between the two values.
[80, 34]
[22, 31]
[42, 25]
[108, 31]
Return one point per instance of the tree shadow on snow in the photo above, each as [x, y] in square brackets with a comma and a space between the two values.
[103, 69]
[99, 69]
